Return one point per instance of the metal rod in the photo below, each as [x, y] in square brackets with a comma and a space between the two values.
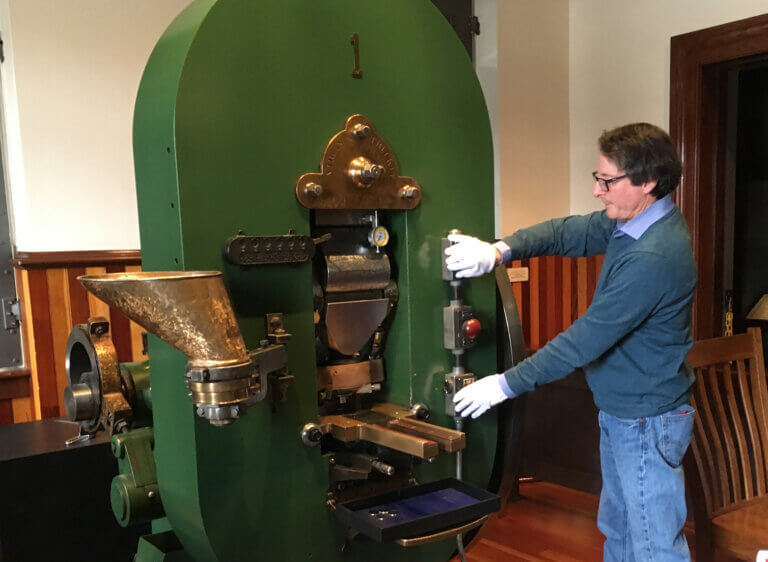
[459, 474]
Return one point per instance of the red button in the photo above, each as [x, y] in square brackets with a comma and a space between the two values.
[472, 328]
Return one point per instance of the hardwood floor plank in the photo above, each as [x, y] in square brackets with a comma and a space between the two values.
[509, 551]
[549, 523]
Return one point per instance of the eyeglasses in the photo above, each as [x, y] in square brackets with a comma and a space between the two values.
[605, 183]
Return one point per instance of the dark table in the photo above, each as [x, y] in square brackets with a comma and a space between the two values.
[54, 499]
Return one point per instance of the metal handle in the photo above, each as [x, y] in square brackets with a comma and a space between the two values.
[440, 535]
[77, 439]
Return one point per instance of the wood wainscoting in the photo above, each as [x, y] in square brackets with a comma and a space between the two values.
[52, 301]
[560, 433]
[557, 292]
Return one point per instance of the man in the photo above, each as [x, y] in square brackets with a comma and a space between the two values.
[631, 342]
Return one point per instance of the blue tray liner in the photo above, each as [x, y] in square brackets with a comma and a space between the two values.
[419, 506]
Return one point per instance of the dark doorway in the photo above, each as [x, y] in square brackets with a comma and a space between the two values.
[722, 140]
[750, 196]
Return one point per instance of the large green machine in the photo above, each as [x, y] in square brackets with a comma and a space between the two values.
[316, 154]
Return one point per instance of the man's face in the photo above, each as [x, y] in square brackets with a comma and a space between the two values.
[622, 200]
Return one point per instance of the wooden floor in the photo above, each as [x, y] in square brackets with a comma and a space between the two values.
[549, 524]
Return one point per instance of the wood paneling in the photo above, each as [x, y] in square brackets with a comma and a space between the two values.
[558, 291]
[14, 385]
[120, 327]
[61, 322]
[52, 302]
[44, 371]
[6, 412]
[564, 449]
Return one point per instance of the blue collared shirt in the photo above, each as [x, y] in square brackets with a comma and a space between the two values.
[637, 225]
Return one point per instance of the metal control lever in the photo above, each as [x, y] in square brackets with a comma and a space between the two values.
[454, 382]
[460, 332]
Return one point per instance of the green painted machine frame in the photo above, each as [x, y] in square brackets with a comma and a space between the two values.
[238, 99]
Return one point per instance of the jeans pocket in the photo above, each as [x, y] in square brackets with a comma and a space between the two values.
[629, 421]
[677, 427]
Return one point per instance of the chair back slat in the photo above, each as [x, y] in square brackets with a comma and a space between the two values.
[730, 437]
[760, 400]
[721, 379]
[701, 454]
[706, 395]
[757, 461]
[736, 403]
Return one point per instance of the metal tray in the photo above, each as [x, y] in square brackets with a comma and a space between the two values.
[418, 510]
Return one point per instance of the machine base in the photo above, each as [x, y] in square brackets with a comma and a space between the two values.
[161, 547]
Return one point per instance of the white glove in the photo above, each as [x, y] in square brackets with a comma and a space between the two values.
[479, 397]
[469, 256]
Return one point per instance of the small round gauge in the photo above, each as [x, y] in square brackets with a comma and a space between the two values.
[379, 237]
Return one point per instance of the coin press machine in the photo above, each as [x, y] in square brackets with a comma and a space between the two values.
[298, 166]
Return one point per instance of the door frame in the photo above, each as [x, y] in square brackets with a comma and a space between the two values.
[699, 66]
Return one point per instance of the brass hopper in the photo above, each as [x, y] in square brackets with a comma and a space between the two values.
[191, 311]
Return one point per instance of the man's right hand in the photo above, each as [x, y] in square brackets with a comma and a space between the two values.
[477, 398]
[470, 256]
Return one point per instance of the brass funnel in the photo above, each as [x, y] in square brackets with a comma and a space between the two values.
[189, 310]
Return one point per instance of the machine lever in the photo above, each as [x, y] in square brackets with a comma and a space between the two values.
[320, 239]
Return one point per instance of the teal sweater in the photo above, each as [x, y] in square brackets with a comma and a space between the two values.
[633, 339]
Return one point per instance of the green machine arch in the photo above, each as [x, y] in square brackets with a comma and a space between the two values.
[238, 100]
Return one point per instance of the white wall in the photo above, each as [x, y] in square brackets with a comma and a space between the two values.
[619, 68]
[69, 85]
[555, 74]
[487, 68]
[533, 112]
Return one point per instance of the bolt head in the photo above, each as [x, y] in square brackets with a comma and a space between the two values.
[313, 190]
[361, 131]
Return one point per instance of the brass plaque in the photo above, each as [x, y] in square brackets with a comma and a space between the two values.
[358, 171]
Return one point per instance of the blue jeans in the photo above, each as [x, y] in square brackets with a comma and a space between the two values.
[642, 505]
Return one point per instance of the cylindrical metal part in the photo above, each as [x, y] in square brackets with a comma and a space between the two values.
[136, 377]
[354, 272]
[384, 468]
[220, 392]
[133, 504]
[80, 402]
[311, 434]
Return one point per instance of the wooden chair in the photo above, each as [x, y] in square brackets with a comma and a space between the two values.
[730, 447]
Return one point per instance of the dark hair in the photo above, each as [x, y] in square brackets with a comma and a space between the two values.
[645, 153]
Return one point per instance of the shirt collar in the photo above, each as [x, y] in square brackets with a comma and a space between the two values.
[637, 225]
